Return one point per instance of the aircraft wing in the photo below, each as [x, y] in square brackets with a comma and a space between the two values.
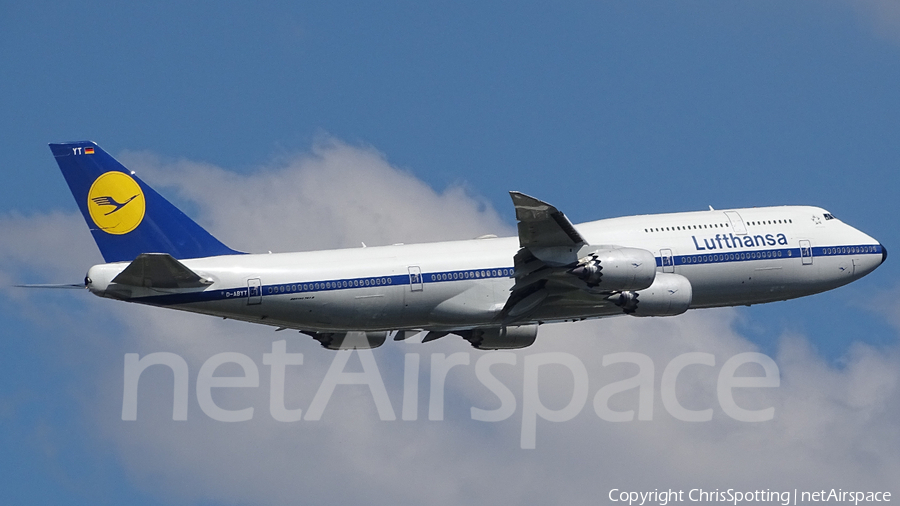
[546, 263]
[543, 226]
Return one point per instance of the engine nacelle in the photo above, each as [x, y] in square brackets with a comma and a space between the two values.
[502, 338]
[617, 269]
[669, 295]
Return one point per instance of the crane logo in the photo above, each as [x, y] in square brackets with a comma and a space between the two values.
[116, 203]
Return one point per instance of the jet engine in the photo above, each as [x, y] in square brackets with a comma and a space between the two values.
[669, 295]
[616, 269]
[501, 338]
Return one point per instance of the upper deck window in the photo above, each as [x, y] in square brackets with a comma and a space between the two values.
[828, 216]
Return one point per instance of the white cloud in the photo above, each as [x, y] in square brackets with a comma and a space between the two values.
[55, 245]
[882, 15]
[834, 426]
[886, 305]
[337, 196]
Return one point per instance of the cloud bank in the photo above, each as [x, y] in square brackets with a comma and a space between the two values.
[834, 426]
[336, 196]
[882, 15]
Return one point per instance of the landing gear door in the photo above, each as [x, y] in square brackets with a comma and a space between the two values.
[806, 252]
[737, 224]
[254, 291]
[668, 263]
[415, 279]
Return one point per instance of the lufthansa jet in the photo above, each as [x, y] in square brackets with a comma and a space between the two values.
[493, 292]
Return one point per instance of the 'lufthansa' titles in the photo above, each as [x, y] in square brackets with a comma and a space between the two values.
[731, 241]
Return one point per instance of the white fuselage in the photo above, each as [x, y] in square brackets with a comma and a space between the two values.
[735, 257]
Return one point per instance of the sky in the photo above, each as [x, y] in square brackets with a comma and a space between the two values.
[288, 126]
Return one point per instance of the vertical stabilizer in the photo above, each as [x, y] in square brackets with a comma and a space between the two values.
[125, 216]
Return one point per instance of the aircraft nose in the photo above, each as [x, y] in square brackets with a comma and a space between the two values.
[883, 252]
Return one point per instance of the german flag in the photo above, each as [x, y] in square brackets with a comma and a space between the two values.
[89, 151]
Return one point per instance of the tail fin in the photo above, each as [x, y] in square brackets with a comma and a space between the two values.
[127, 217]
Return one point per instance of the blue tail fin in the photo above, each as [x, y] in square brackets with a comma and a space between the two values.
[125, 215]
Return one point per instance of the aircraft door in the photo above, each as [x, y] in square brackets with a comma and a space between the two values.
[668, 263]
[806, 252]
[737, 224]
[415, 303]
[416, 283]
[254, 291]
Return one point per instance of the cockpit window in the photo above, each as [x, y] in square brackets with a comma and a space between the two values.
[828, 216]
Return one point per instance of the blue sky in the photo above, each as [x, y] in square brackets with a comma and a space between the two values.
[602, 108]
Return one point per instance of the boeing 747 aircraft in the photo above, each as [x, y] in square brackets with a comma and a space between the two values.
[493, 292]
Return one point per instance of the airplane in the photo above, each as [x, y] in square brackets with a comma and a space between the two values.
[493, 292]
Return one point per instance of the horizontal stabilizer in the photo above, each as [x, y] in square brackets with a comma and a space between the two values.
[159, 270]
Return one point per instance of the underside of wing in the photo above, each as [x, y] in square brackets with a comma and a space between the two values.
[348, 340]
